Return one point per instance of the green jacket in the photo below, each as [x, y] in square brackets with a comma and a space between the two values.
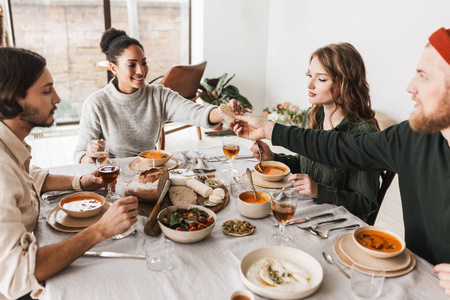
[355, 190]
[422, 162]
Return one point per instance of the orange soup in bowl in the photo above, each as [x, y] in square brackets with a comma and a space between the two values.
[250, 197]
[155, 155]
[274, 170]
[378, 241]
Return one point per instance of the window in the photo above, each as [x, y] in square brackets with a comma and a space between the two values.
[67, 33]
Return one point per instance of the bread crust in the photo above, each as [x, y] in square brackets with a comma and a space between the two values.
[148, 185]
[226, 113]
[182, 195]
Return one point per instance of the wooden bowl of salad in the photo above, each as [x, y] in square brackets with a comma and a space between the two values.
[186, 223]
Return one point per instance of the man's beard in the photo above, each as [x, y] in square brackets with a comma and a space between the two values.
[34, 118]
[435, 122]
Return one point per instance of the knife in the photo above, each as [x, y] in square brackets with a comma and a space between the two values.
[112, 254]
[308, 219]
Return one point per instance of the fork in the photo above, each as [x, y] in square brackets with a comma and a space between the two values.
[324, 234]
[313, 227]
[130, 230]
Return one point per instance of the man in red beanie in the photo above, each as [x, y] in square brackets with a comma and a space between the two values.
[418, 150]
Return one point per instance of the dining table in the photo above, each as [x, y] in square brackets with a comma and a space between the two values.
[210, 268]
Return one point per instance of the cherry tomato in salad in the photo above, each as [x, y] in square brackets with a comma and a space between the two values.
[193, 229]
[201, 226]
[202, 220]
[192, 225]
[209, 220]
[179, 229]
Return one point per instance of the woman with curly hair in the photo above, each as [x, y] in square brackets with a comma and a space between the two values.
[339, 94]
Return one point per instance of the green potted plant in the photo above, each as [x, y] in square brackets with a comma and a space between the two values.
[217, 91]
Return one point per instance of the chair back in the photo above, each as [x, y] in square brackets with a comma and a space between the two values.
[386, 180]
[184, 79]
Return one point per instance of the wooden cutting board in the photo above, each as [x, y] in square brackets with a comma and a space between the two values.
[146, 208]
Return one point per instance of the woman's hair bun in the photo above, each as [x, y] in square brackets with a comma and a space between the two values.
[108, 36]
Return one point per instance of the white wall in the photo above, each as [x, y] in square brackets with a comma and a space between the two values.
[235, 42]
[268, 43]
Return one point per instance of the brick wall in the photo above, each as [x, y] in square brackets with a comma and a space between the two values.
[67, 34]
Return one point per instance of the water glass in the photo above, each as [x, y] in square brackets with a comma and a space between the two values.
[367, 286]
[159, 255]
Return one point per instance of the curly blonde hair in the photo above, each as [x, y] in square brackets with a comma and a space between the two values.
[349, 88]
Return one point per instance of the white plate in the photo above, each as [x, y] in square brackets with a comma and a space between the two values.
[298, 257]
[173, 163]
[68, 221]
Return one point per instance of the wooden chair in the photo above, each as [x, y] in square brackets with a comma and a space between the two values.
[184, 79]
[386, 180]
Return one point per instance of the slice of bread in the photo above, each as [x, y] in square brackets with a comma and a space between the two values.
[182, 195]
[226, 113]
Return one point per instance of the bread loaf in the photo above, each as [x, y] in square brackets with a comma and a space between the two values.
[182, 195]
[148, 185]
[226, 113]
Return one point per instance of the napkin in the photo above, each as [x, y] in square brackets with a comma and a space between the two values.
[289, 193]
[53, 196]
[194, 161]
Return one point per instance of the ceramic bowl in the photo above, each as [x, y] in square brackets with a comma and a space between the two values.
[215, 183]
[185, 237]
[277, 177]
[254, 210]
[378, 253]
[145, 158]
[295, 256]
[78, 212]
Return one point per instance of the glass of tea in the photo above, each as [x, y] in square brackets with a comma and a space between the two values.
[98, 153]
[230, 147]
[109, 172]
[283, 210]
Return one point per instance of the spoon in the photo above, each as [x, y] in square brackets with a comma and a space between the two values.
[324, 234]
[330, 260]
[249, 175]
[258, 165]
[287, 186]
[206, 177]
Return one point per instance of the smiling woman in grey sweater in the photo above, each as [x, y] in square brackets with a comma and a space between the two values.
[128, 113]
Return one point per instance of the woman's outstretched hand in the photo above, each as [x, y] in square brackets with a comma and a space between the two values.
[253, 128]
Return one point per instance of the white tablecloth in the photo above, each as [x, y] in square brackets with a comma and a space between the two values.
[209, 268]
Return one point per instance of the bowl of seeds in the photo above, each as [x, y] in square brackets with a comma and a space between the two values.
[238, 227]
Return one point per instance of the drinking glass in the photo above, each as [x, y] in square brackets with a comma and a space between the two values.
[230, 147]
[283, 210]
[159, 255]
[368, 286]
[99, 155]
[109, 172]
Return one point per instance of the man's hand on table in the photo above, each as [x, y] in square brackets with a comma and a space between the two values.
[443, 271]
[119, 217]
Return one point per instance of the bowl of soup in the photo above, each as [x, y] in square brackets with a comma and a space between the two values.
[253, 208]
[272, 170]
[378, 242]
[159, 156]
[82, 204]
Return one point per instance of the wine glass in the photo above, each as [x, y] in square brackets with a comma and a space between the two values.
[99, 154]
[109, 172]
[230, 147]
[283, 209]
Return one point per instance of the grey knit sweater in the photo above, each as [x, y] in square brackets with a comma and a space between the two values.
[132, 123]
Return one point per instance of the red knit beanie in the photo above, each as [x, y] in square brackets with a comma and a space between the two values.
[440, 40]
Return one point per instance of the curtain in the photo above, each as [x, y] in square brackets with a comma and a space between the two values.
[4, 41]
